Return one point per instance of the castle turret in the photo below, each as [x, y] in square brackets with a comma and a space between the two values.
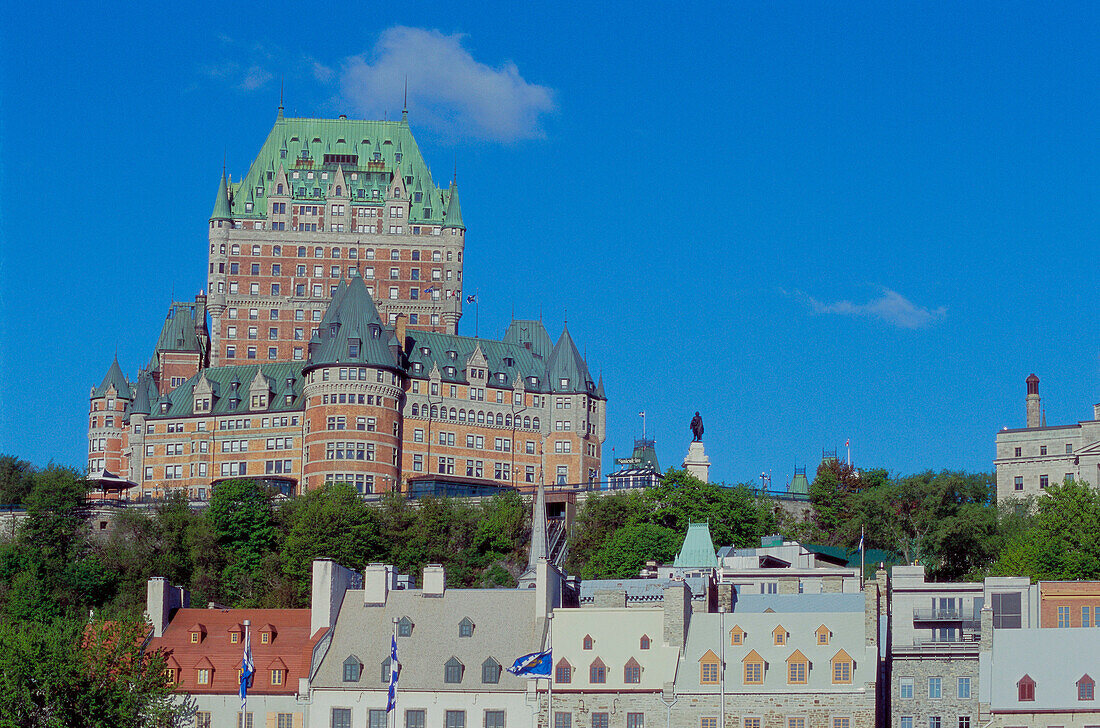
[354, 395]
[109, 410]
[1034, 408]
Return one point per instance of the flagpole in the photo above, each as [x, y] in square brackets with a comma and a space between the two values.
[862, 567]
[550, 678]
[393, 712]
[244, 678]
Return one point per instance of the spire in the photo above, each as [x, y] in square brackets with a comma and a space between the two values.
[222, 209]
[279, 116]
[453, 217]
[539, 548]
[118, 379]
[405, 102]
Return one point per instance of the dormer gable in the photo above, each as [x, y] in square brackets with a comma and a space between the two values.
[236, 634]
[822, 635]
[338, 187]
[709, 656]
[259, 391]
[197, 633]
[753, 656]
[737, 635]
[780, 635]
[466, 627]
[477, 371]
[281, 186]
[267, 634]
[397, 189]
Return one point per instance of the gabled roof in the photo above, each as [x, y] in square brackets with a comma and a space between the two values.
[709, 656]
[531, 335]
[178, 332]
[116, 377]
[698, 549]
[566, 363]
[181, 401]
[352, 317]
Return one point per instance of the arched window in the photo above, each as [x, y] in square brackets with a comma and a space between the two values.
[454, 413]
[415, 409]
[480, 417]
[279, 189]
[500, 420]
[435, 411]
[338, 191]
[535, 423]
[527, 423]
[462, 415]
[507, 420]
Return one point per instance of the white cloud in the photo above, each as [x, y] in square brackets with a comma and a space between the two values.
[254, 78]
[891, 307]
[448, 89]
[321, 72]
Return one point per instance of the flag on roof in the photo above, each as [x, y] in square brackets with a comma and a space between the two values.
[391, 700]
[536, 664]
[472, 298]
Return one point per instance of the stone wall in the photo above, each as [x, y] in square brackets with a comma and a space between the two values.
[949, 706]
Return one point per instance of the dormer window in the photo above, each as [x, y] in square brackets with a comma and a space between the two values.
[644, 642]
[564, 383]
[452, 355]
[375, 331]
[1026, 689]
[353, 348]
[404, 627]
[779, 635]
[425, 351]
[353, 667]
[465, 627]
[737, 636]
[333, 328]
[588, 642]
[490, 671]
[452, 671]
[449, 371]
[1086, 688]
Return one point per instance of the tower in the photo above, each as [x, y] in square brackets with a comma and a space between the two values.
[354, 387]
[109, 407]
[1034, 409]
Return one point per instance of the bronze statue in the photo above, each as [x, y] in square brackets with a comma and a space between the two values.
[696, 428]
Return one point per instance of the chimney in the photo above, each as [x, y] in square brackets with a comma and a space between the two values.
[434, 581]
[1034, 410]
[161, 599]
[677, 608]
[399, 330]
[330, 581]
[376, 584]
[1096, 411]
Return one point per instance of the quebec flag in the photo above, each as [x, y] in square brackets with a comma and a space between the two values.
[391, 697]
[536, 664]
[246, 669]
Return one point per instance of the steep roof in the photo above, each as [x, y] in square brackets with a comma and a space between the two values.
[370, 153]
[293, 645]
[454, 210]
[351, 331]
[566, 363]
[698, 549]
[116, 377]
[531, 335]
[505, 627]
[178, 332]
[181, 400]
[145, 393]
[502, 357]
[222, 210]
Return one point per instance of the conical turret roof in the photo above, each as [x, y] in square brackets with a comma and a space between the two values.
[351, 331]
[222, 209]
[453, 218]
[566, 363]
[117, 378]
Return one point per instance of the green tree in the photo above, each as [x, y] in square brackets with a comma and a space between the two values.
[627, 551]
[68, 673]
[736, 514]
[16, 480]
[331, 522]
[242, 518]
[1061, 541]
[598, 520]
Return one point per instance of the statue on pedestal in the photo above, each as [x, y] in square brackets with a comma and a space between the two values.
[697, 428]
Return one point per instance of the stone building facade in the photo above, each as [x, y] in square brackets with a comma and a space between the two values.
[1032, 458]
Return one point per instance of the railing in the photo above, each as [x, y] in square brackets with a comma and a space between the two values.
[557, 540]
[962, 639]
[944, 614]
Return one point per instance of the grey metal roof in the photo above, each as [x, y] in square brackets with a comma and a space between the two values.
[641, 590]
[786, 603]
[1054, 658]
[505, 627]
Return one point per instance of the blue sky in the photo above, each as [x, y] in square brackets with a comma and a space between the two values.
[811, 222]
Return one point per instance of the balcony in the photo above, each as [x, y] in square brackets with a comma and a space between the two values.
[968, 618]
[962, 639]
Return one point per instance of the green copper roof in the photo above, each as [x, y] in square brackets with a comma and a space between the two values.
[232, 400]
[145, 393]
[351, 331]
[450, 353]
[698, 549]
[799, 484]
[222, 209]
[531, 335]
[646, 453]
[454, 210]
[178, 332]
[117, 378]
[566, 363]
[371, 154]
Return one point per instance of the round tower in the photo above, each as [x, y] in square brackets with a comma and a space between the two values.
[109, 409]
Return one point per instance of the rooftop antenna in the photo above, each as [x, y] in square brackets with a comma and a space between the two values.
[282, 82]
[405, 101]
[454, 180]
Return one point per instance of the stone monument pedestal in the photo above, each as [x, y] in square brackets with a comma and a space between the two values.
[697, 463]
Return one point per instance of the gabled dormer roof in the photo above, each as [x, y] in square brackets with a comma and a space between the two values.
[709, 656]
[567, 364]
[116, 378]
[753, 656]
[351, 331]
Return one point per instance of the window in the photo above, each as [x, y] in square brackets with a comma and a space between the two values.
[203, 677]
[1018, 482]
[1042, 449]
[737, 636]
[341, 718]
[842, 722]
[352, 669]
[794, 722]
[962, 688]
[935, 687]
[377, 719]
[588, 642]
[842, 668]
[753, 669]
[415, 719]
[644, 642]
[823, 635]
[455, 719]
[597, 672]
[202, 719]
[708, 669]
[751, 722]
[452, 671]
[934, 721]
[563, 673]
[1006, 610]
[465, 627]
[906, 721]
[494, 719]
[964, 721]
[277, 676]
[244, 720]
[1044, 481]
[490, 671]
[780, 635]
[1086, 688]
[797, 668]
[600, 720]
[1085, 622]
[1063, 616]
[1026, 688]
[1018, 452]
[632, 671]
[635, 720]
[711, 721]
[905, 687]
[563, 720]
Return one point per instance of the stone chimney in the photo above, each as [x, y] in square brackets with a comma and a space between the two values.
[376, 584]
[1096, 411]
[161, 599]
[1034, 409]
[725, 597]
[399, 330]
[677, 606]
[613, 598]
[435, 581]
